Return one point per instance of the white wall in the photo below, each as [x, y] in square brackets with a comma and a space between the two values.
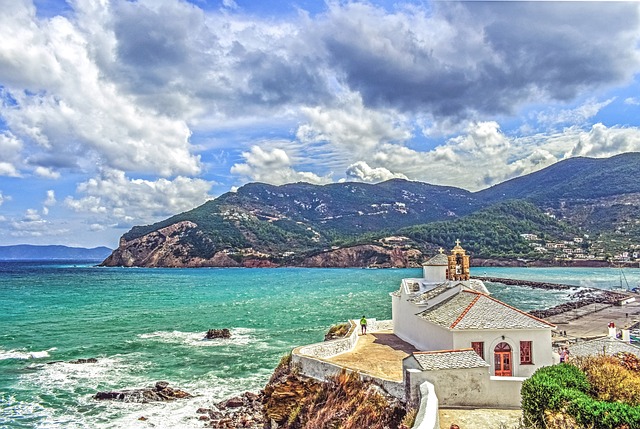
[434, 273]
[467, 387]
[416, 331]
[542, 351]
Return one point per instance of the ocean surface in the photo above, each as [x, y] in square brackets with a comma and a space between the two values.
[146, 325]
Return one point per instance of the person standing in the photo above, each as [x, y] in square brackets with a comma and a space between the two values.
[363, 325]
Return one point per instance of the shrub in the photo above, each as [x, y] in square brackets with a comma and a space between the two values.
[564, 389]
[543, 390]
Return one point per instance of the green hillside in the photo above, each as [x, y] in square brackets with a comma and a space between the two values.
[595, 200]
[495, 231]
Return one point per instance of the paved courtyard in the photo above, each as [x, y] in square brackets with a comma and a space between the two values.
[378, 353]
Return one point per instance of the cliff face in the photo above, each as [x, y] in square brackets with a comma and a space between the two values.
[294, 402]
[163, 248]
[365, 256]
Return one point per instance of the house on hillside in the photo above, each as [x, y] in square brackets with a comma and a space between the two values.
[446, 315]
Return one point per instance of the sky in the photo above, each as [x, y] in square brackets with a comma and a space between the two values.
[115, 113]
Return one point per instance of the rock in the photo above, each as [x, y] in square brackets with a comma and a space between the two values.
[79, 361]
[143, 418]
[204, 410]
[217, 333]
[244, 411]
[234, 403]
[161, 392]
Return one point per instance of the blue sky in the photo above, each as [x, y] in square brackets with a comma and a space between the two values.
[120, 113]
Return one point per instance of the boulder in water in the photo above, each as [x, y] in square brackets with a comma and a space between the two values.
[161, 392]
[79, 361]
[217, 333]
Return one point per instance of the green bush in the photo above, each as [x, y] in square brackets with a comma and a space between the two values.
[564, 388]
[543, 390]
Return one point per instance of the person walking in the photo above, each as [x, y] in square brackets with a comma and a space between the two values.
[363, 325]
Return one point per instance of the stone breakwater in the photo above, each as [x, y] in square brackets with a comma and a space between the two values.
[527, 283]
[579, 299]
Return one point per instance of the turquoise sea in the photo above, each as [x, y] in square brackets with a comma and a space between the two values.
[146, 325]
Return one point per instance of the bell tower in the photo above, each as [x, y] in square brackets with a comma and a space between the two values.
[458, 268]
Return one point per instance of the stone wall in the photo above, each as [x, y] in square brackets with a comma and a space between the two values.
[309, 360]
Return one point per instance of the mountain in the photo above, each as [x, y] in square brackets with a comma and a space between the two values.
[386, 223]
[574, 178]
[31, 252]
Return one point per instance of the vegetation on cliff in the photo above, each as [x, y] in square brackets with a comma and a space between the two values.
[596, 392]
[343, 402]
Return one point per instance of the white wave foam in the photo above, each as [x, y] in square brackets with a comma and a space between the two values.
[239, 337]
[22, 354]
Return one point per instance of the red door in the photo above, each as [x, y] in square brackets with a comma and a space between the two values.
[502, 360]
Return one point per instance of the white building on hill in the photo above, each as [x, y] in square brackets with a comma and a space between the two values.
[446, 314]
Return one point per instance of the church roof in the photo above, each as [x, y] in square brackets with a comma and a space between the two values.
[432, 293]
[602, 346]
[474, 310]
[449, 359]
[439, 259]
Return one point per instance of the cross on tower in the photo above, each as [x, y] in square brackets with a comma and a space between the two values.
[441, 250]
[458, 242]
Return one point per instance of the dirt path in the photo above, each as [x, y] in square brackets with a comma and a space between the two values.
[479, 418]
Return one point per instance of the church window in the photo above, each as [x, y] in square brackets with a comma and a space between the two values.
[478, 347]
[525, 352]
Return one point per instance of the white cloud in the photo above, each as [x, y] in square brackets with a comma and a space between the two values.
[602, 141]
[63, 103]
[31, 224]
[363, 172]
[273, 166]
[10, 154]
[113, 197]
[230, 4]
[632, 101]
[2, 198]
[569, 117]
[47, 173]
[49, 201]
[352, 128]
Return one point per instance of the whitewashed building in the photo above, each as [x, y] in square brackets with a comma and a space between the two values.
[446, 312]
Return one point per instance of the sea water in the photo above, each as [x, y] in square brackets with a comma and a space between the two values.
[146, 325]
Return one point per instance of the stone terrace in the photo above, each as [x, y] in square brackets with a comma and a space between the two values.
[379, 354]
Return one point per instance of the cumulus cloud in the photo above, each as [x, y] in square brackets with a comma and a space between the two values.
[470, 58]
[350, 130]
[31, 224]
[114, 197]
[273, 166]
[10, 154]
[361, 171]
[46, 172]
[602, 141]
[2, 198]
[63, 105]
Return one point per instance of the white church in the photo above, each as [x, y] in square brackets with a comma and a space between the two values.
[461, 331]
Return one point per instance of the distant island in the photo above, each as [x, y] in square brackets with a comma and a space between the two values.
[26, 252]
